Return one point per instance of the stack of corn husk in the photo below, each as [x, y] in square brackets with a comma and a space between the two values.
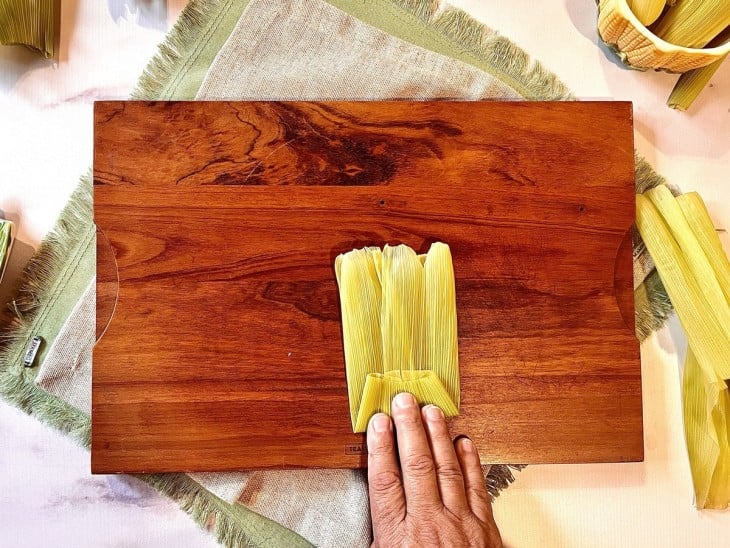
[31, 23]
[689, 257]
[399, 328]
[691, 37]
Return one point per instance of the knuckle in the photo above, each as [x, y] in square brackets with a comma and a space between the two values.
[384, 483]
[450, 473]
[480, 495]
[380, 448]
[407, 419]
[420, 465]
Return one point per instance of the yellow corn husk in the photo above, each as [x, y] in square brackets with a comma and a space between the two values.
[693, 23]
[360, 298]
[381, 388]
[700, 434]
[705, 412]
[699, 265]
[681, 238]
[402, 314]
[703, 228]
[690, 84]
[647, 11]
[718, 495]
[30, 23]
[399, 328]
[442, 349]
[709, 339]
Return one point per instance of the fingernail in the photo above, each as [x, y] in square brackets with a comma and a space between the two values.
[466, 444]
[434, 413]
[380, 422]
[404, 400]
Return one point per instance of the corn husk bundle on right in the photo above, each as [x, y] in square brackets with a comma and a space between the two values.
[689, 257]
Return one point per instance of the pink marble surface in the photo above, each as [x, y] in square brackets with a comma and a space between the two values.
[48, 497]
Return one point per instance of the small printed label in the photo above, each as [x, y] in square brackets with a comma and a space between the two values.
[32, 351]
[356, 449]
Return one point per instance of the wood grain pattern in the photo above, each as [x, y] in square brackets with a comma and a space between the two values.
[225, 348]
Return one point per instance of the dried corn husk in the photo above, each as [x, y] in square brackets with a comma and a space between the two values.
[688, 255]
[698, 263]
[647, 11]
[381, 388]
[703, 447]
[699, 219]
[32, 23]
[399, 328]
[6, 241]
[693, 23]
[690, 84]
[442, 350]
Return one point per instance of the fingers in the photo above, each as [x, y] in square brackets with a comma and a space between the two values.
[418, 468]
[449, 476]
[387, 500]
[476, 489]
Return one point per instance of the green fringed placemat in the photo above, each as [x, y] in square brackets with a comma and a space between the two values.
[189, 66]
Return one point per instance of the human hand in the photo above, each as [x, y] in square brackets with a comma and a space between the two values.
[436, 496]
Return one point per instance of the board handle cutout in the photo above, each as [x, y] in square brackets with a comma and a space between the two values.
[107, 283]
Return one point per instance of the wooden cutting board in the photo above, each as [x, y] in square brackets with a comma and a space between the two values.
[225, 347]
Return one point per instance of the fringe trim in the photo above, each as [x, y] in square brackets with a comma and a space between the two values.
[646, 177]
[173, 52]
[215, 515]
[500, 477]
[40, 274]
[38, 280]
[508, 62]
[26, 396]
[652, 304]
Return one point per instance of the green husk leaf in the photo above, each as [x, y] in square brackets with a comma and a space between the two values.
[690, 84]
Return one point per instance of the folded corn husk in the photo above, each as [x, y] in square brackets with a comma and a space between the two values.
[681, 238]
[399, 328]
[32, 23]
